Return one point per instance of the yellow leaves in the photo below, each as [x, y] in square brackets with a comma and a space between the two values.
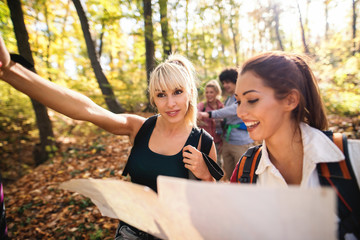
[45, 212]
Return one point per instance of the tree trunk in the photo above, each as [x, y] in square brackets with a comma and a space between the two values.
[306, 49]
[277, 30]
[187, 28]
[149, 40]
[165, 28]
[104, 84]
[101, 38]
[204, 47]
[149, 44]
[48, 47]
[326, 3]
[42, 150]
[354, 16]
[61, 58]
[234, 31]
[234, 34]
[222, 36]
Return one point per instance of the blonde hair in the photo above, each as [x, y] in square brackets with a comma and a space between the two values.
[216, 86]
[177, 72]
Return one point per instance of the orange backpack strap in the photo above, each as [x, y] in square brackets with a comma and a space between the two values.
[340, 176]
[338, 169]
[244, 171]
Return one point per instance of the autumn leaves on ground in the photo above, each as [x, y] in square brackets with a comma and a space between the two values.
[37, 209]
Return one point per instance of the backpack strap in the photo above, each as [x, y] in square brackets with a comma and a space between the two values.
[204, 107]
[206, 142]
[340, 176]
[205, 147]
[244, 171]
[342, 169]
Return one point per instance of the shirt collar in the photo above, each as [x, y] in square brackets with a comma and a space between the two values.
[318, 148]
[321, 148]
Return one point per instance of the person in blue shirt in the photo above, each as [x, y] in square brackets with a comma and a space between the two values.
[236, 139]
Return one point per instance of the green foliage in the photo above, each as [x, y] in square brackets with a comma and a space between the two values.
[5, 23]
[205, 34]
[98, 235]
[340, 81]
[16, 118]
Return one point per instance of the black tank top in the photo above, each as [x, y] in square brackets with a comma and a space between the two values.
[144, 165]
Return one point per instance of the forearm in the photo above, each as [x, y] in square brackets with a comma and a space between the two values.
[63, 100]
[228, 111]
[209, 178]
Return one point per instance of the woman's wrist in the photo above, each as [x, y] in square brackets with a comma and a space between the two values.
[7, 71]
[209, 178]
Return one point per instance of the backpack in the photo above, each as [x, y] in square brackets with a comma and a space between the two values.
[339, 175]
[205, 147]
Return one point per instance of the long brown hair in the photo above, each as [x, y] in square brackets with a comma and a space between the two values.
[284, 72]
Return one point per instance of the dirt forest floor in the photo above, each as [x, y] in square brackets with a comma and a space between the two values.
[37, 209]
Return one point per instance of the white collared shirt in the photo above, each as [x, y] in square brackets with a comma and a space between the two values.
[317, 148]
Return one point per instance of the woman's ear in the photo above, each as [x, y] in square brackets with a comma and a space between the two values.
[292, 100]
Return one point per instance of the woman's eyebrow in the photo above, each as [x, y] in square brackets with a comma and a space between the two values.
[244, 93]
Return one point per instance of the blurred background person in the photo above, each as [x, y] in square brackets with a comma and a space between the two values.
[236, 139]
[212, 126]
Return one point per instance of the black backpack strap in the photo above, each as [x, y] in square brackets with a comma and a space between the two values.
[204, 108]
[245, 169]
[340, 176]
[205, 147]
[206, 142]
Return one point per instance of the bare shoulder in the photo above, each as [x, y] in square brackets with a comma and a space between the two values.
[129, 124]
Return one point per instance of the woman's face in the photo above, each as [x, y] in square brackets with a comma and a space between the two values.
[263, 114]
[172, 104]
[210, 94]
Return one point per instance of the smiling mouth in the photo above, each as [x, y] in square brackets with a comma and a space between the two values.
[251, 125]
[172, 113]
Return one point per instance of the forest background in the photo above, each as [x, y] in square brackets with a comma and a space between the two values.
[106, 49]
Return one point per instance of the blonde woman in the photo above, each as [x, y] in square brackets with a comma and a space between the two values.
[165, 144]
[212, 126]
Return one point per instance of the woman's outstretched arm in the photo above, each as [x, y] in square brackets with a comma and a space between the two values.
[63, 100]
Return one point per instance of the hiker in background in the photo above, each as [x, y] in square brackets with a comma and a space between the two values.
[212, 126]
[164, 144]
[236, 139]
[279, 100]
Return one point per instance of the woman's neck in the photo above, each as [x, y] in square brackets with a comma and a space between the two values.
[170, 129]
[286, 153]
[212, 104]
